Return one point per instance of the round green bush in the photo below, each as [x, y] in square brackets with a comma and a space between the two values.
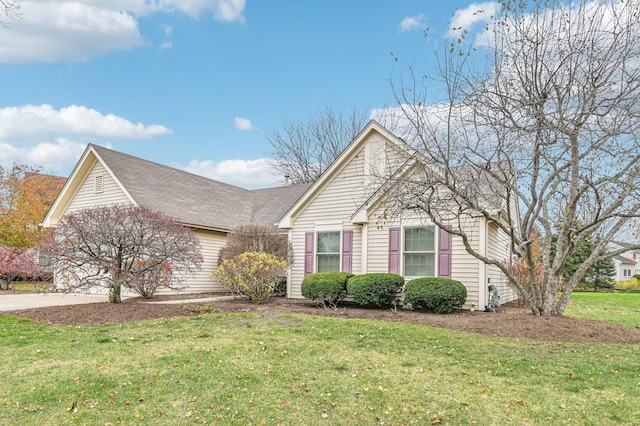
[325, 288]
[440, 295]
[375, 289]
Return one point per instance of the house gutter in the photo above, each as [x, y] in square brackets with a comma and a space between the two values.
[205, 228]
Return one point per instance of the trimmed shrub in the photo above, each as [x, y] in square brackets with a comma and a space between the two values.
[251, 274]
[326, 288]
[375, 289]
[440, 295]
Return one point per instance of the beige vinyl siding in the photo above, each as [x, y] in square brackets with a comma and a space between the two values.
[466, 268]
[378, 252]
[201, 282]
[498, 249]
[334, 204]
[86, 197]
[340, 198]
[298, 240]
[210, 242]
[296, 274]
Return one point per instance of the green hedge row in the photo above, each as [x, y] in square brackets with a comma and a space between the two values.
[440, 295]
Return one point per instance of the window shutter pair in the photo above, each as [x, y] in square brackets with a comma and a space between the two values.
[347, 251]
[444, 252]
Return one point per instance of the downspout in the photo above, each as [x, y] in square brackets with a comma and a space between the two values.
[482, 272]
[364, 250]
[290, 239]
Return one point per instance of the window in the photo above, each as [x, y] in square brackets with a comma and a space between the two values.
[419, 252]
[627, 272]
[328, 253]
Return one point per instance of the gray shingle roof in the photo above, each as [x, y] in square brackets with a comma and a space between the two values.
[196, 200]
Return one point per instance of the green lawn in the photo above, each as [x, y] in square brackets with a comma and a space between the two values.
[244, 369]
[620, 308]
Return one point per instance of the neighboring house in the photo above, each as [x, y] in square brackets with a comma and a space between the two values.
[337, 226]
[626, 263]
[210, 208]
[333, 225]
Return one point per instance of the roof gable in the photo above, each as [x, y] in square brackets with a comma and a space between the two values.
[78, 175]
[338, 164]
[190, 199]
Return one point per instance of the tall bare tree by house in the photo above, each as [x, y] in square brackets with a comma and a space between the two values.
[537, 130]
[303, 149]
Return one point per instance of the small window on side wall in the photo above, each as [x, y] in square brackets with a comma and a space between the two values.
[328, 251]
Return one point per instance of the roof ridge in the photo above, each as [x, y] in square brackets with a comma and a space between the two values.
[164, 166]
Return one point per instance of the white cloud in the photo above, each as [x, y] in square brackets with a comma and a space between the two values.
[56, 157]
[248, 174]
[40, 135]
[37, 122]
[243, 124]
[412, 23]
[65, 30]
[465, 19]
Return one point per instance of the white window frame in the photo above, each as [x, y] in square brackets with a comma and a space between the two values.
[318, 253]
[434, 252]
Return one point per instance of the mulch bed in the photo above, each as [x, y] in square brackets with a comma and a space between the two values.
[508, 321]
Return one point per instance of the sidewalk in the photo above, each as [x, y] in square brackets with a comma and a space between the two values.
[16, 302]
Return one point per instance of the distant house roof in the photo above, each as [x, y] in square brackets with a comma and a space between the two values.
[624, 260]
[53, 180]
[191, 199]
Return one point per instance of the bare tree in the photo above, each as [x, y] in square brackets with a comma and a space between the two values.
[540, 137]
[122, 246]
[304, 149]
[257, 238]
[10, 9]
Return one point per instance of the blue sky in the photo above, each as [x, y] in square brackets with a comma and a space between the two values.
[197, 84]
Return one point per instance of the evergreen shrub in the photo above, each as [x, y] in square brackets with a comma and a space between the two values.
[375, 289]
[440, 295]
[326, 288]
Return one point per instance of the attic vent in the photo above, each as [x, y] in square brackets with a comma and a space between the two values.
[98, 184]
[375, 161]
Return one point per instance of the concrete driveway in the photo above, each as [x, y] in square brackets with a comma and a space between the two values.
[15, 302]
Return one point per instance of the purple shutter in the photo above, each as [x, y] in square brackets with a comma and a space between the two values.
[347, 255]
[309, 243]
[394, 250]
[444, 253]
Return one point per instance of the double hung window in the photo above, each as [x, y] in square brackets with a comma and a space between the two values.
[419, 252]
[328, 252]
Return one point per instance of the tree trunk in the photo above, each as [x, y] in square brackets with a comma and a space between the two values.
[550, 297]
[114, 294]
